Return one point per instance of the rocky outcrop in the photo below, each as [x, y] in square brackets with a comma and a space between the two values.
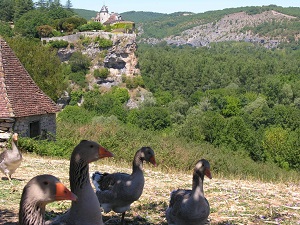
[230, 28]
[122, 55]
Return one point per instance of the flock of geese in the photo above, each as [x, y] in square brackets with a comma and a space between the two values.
[115, 191]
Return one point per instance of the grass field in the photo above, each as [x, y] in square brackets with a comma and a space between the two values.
[232, 201]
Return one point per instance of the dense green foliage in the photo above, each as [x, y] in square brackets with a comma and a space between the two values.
[239, 96]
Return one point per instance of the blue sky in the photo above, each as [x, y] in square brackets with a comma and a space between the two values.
[170, 6]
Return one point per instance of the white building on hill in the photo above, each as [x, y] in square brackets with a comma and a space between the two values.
[105, 17]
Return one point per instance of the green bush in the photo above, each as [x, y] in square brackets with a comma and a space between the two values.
[75, 114]
[79, 62]
[78, 78]
[152, 118]
[101, 73]
[103, 42]
[59, 43]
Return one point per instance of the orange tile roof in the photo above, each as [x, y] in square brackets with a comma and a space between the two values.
[19, 95]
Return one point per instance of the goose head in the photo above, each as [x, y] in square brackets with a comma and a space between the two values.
[47, 188]
[15, 137]
[147, 154]
[90, 151]
[202, 168]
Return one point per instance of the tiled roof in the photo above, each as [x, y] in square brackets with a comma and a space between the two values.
[19, 95]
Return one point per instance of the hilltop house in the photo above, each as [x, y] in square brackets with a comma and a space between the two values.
[24, 107]
[105, 17]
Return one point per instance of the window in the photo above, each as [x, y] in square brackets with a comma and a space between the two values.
[34, 129]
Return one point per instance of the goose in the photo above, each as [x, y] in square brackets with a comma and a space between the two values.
[10, 160]
[86, 210]
[37, 193]
[190, 207]
[117, 191]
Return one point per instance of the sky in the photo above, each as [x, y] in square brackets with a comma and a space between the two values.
[170, 6]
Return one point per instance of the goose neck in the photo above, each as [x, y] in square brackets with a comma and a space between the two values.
[79, 174]
[31, 213]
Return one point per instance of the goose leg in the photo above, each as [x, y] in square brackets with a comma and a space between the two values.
[122, 220]
[9, 178]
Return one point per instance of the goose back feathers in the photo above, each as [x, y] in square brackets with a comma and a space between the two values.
[117, 191]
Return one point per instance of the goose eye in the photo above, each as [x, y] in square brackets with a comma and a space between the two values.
[45, 183]
[92, 146]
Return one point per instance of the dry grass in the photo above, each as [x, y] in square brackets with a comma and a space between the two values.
[232, 201]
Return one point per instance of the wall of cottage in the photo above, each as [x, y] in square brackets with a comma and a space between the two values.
[6, 129]
[47, 124]
[21, 126]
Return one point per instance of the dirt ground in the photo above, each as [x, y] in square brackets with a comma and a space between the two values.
[231, 201]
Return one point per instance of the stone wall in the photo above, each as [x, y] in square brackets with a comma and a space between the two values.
[6, 129]
[75, 37]
[47, 124]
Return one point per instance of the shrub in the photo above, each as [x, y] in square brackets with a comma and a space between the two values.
[75, 115]
[45, 30]
[78, 78]
[103, 42]
[153, 118]
[101, 73]
[59, 44]
[79, 62]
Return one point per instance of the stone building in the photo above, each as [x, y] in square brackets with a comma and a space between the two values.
[24, 107]
[105, 17]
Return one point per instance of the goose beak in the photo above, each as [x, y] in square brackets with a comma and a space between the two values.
[104, 153]
[152, 160]
[207, 173]
[63, 193]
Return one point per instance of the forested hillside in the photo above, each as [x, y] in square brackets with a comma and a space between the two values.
[268, 25]
[234, 102]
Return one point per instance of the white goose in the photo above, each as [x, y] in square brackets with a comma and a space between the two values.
[190, 207]
[117, 191]
[10, 160]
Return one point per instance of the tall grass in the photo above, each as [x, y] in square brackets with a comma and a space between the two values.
[172, 154]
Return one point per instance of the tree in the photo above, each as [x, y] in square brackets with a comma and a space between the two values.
[28, 23]
[79, 62]
[21, 7]
[5, 29]
[6, 10]
[44, 31]
[153, 118]
[68, 4]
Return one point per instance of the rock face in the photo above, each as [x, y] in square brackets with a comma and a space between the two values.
[122, 55]
[229, 28]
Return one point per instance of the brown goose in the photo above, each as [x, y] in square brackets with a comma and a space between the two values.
[38, 192]
[86, 210]
[117, 191]
[190, 207]
[10, 160]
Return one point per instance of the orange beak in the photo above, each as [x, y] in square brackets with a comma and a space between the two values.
[63, 193]
[152, 160]
[104, 153]
[208, 174]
